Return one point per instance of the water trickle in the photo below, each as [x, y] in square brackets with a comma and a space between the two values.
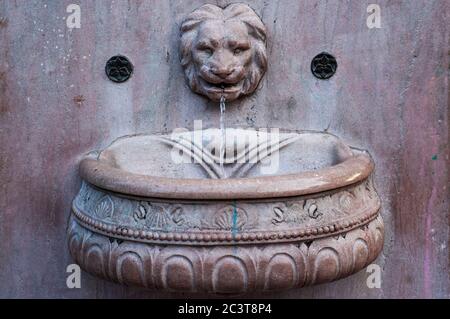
[223, 135]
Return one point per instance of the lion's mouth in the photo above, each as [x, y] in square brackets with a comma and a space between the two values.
[222, 87]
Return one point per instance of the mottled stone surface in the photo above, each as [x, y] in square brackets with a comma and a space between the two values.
[389, 95]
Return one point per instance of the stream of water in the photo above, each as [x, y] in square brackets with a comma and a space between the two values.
[223, 135]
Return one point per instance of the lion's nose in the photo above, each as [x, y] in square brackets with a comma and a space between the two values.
[222, 72]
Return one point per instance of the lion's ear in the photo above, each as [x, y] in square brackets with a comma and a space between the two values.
[257, 30]
[189, 25]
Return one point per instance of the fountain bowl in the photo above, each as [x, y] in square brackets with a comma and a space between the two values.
[147, 216]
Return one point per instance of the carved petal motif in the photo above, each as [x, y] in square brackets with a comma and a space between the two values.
[225, 269]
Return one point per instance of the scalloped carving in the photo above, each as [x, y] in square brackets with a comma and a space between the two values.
[231, 218]
[305, 217]
[226, 269]
[104, 208]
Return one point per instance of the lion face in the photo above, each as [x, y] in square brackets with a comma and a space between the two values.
[223, 51]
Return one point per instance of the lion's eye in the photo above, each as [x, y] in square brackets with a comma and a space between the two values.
[206, 50]
[239, 50]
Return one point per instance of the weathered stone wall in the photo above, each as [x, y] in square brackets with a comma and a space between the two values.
[389, 95]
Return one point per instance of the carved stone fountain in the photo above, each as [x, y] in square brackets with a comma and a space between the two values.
[280, 209]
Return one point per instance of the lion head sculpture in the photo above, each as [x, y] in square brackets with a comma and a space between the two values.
[223, 51]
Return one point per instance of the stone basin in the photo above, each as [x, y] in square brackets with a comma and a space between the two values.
[285, 209]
